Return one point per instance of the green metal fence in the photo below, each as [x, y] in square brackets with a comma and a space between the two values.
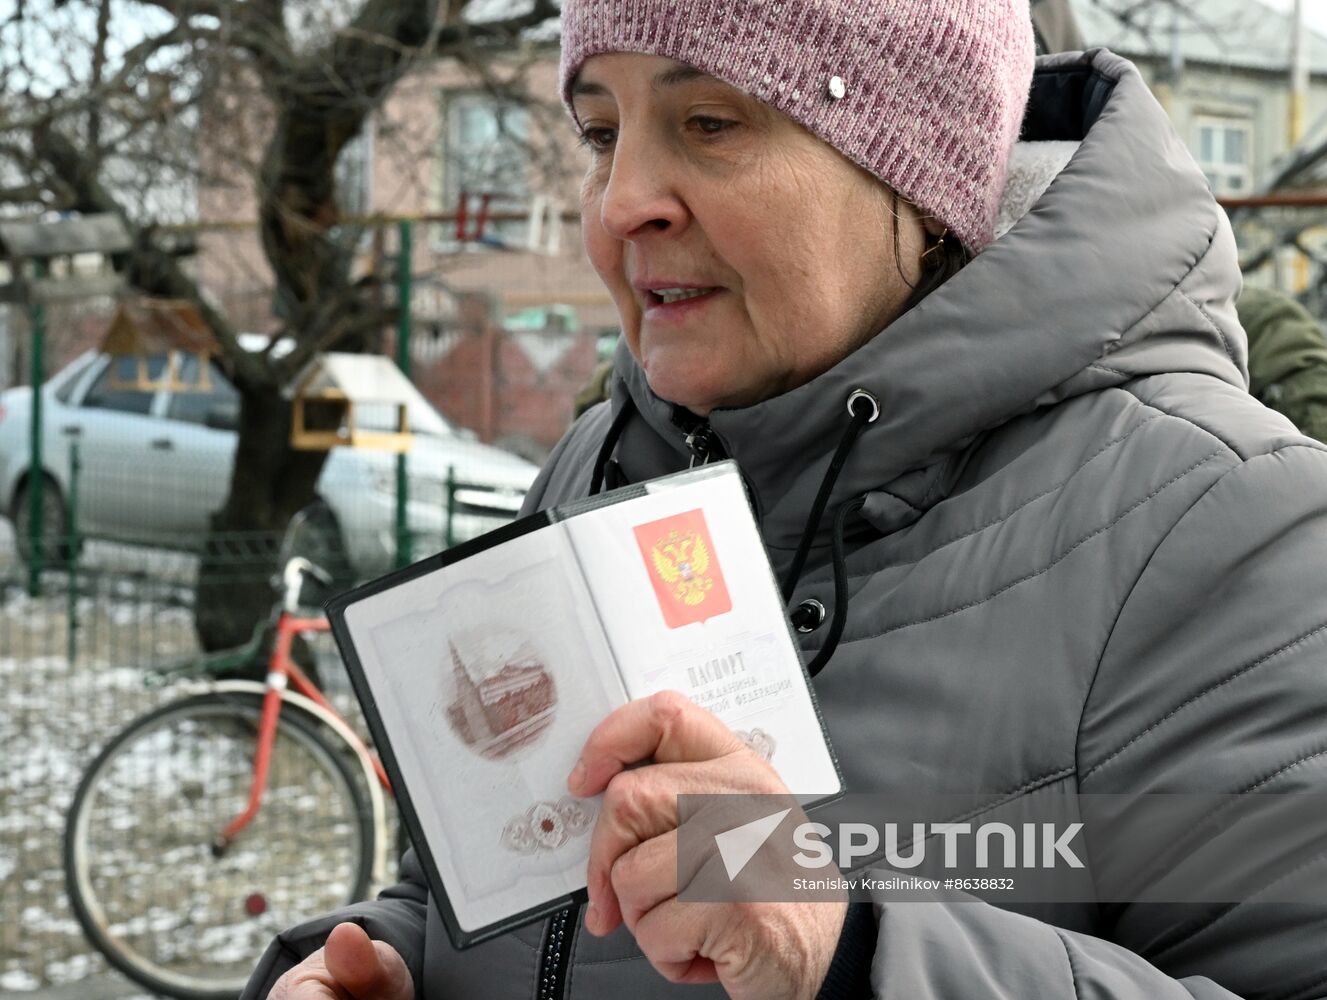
[79, 637]
[99, 576]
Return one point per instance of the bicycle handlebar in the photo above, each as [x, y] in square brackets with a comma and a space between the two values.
[292, 579]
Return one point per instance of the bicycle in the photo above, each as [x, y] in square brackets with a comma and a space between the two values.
[203, 828]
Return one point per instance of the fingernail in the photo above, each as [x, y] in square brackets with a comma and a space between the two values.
[577, 776]
[591, 917]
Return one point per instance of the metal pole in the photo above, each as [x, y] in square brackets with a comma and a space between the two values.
[1299, 76]
[1167, 86]
[1299, 99]
[74, 542]
[404, 543]
[36, 476]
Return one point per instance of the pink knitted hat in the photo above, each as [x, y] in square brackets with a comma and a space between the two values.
[928, 95]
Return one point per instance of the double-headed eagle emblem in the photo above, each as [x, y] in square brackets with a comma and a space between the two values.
[684, 568]
[682, 561]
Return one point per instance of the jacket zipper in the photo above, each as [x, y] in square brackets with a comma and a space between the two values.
[701, 441]
[555, 958]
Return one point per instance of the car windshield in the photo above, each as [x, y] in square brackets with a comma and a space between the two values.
[65, 380]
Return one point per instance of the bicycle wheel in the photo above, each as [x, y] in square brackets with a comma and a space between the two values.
[140, 868]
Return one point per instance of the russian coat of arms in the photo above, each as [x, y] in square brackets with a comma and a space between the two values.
[682, 561]
[679, 554]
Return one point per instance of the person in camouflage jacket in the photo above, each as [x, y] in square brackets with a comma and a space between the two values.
[1287, 358]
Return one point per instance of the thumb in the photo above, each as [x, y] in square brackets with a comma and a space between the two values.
[367, 970]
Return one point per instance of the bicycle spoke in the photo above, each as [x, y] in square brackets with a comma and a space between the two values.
[168, 902]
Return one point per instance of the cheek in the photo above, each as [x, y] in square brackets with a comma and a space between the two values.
[605, 256]
[814, 300]
[604, 252]
[789, 287]
[594, 239]
[598, 245]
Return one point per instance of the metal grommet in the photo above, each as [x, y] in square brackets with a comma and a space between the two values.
[809, 616]
[838, 89]
[869, 397]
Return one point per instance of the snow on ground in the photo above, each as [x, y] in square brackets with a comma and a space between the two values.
[56, 714]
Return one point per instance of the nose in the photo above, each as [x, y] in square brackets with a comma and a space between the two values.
[641, 196]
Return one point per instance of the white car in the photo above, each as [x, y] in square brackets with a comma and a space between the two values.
[155, 465]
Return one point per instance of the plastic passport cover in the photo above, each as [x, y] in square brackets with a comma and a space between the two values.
[483, 670]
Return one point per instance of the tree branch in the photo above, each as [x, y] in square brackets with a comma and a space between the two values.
[146, 267]
[463, 34]
[98, 68]
[256, 27]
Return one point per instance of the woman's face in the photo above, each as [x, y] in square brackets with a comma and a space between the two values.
[744, 255]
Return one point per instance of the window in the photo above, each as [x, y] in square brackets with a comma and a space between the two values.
[126, 400]
[72, 375]
[1225, 150]
[486, 152]
[218, 407]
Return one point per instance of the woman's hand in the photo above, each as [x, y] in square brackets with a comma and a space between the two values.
[348, 967]
[771, 951]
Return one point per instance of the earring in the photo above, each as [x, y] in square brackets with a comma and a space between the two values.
[939, 249]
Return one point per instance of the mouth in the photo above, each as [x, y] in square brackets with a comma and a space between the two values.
[667, 296]
[663, 297]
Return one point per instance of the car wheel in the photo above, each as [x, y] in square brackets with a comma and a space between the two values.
[315, 534]
[56, 547]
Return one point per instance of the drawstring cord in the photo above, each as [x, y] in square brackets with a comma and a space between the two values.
[840, 589]
[865, 410]
[610, 442]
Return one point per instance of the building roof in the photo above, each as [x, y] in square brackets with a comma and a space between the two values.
[1244, 34]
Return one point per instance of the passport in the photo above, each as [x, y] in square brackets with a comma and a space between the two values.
[482, 670]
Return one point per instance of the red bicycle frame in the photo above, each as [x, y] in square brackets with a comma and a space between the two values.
[283, 671]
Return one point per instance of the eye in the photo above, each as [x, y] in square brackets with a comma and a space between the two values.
[707, 125]
[597, 137]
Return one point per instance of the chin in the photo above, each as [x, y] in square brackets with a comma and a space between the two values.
[694, 387]
[700, 394]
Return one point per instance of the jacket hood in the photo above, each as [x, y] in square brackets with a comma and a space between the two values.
[1124, 267]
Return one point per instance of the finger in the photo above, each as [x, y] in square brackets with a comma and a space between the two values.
[641, 804]
[309, 980]
[671, 936]
[666, 727]
[645, 877]
[366, 969]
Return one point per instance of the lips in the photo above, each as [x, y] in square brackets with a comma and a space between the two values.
[669, 296]
[664, 293]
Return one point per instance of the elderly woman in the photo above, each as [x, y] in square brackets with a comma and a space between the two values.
[1034, 533]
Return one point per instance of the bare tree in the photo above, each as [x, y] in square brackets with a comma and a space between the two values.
[101, 107]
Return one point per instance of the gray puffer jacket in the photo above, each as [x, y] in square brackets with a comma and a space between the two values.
[1087, 560]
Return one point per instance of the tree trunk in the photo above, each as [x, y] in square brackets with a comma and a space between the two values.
[320, 102]
[269, 484]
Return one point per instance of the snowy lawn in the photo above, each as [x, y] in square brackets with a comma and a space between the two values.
[57, 714]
